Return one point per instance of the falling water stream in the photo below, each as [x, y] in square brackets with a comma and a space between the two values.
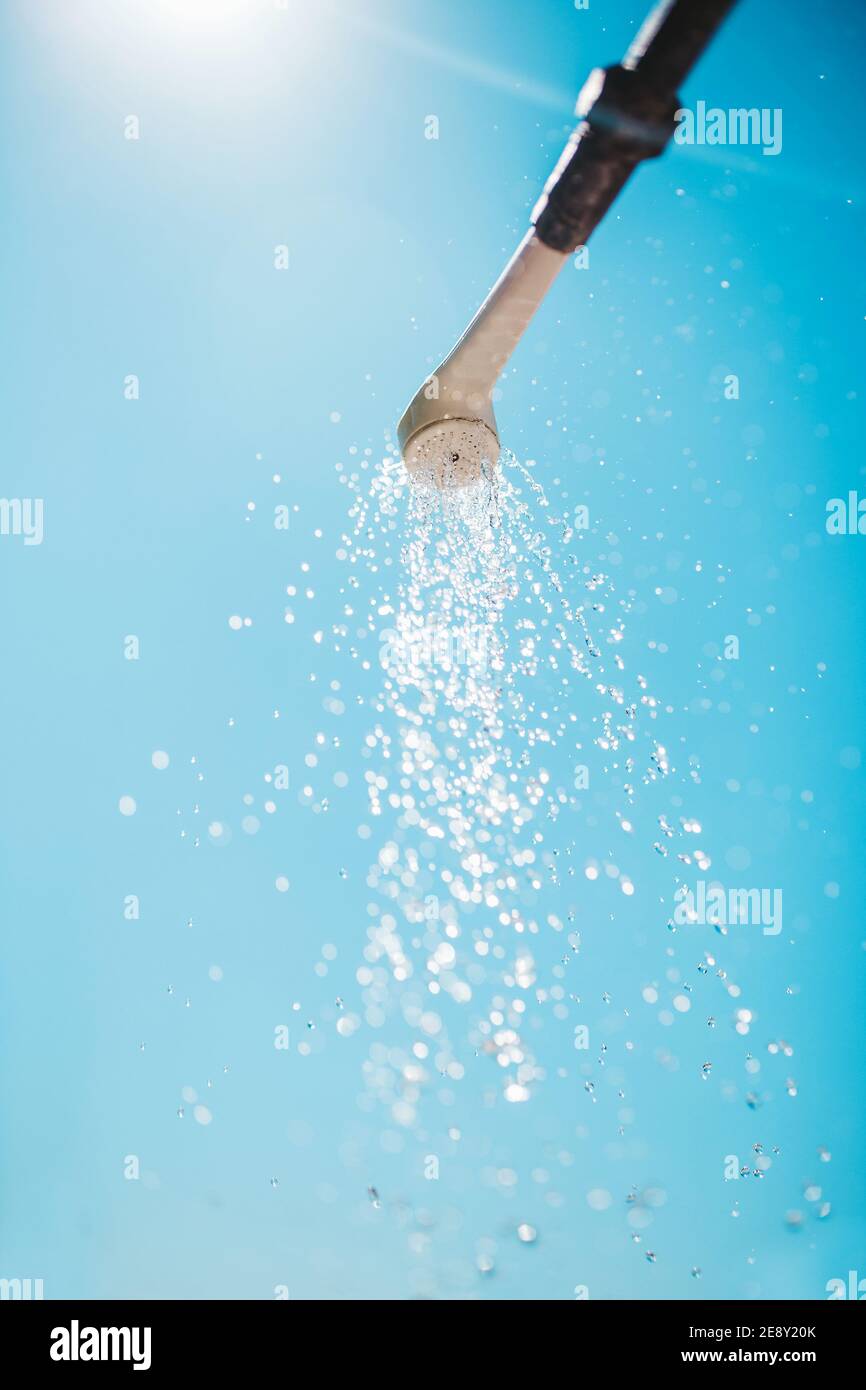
[504, 659]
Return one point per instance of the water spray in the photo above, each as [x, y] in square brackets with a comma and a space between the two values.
[627, 112]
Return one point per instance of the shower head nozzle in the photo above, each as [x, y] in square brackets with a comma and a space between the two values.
[628, 113]
[451, 452]
[448, 433]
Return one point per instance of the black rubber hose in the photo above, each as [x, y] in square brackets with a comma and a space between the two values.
[673, 38]
[628, 115]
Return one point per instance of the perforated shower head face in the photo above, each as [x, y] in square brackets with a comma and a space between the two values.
[451, 453]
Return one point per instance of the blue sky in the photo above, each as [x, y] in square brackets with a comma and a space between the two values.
[262, 127]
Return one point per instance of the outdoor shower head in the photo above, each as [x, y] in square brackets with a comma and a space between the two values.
[447, 433]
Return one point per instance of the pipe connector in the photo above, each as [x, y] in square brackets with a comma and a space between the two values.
[625, 119]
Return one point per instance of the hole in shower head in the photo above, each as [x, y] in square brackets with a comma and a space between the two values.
[450, 453]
